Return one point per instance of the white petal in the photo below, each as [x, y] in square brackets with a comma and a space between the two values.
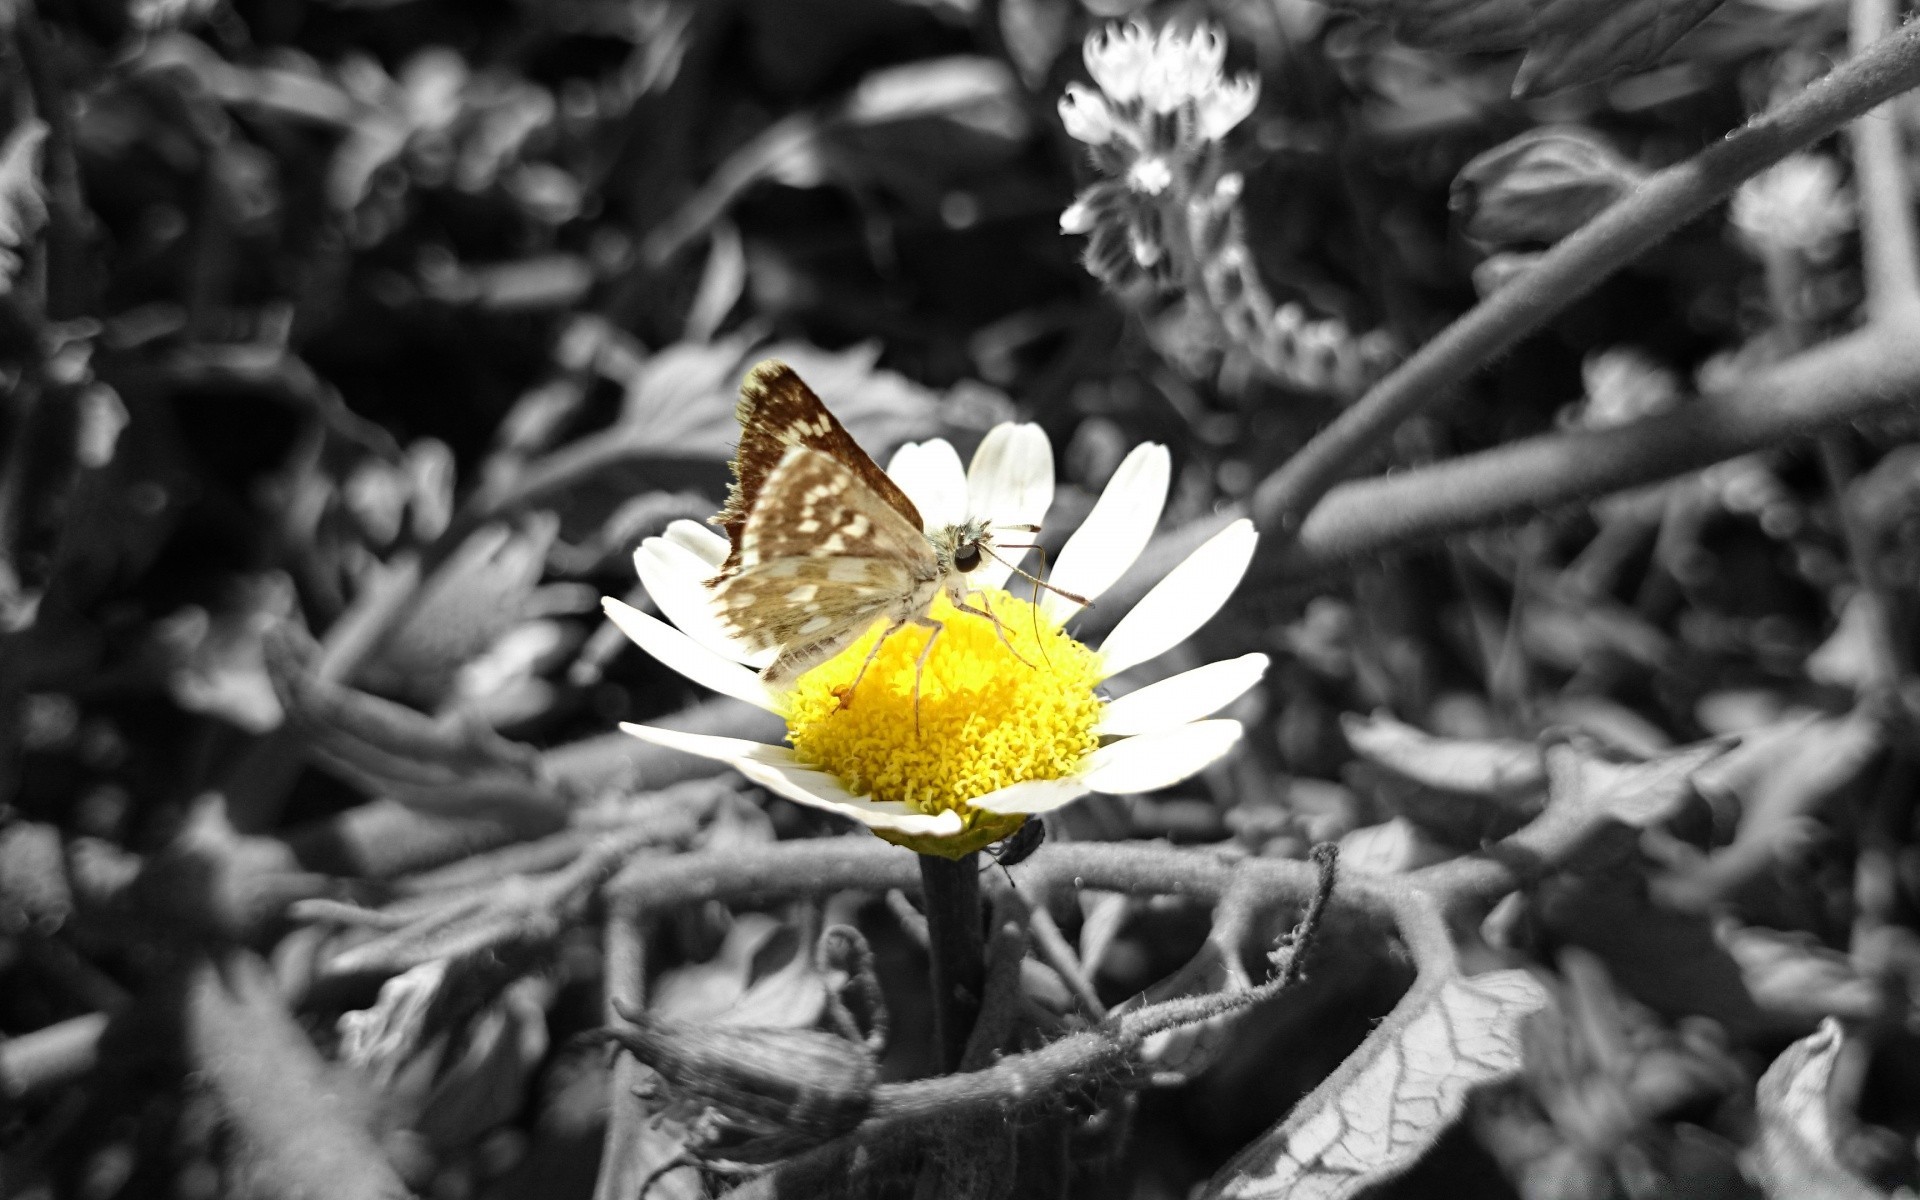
[734, 751]
[1182, 602]
[1114, 533]
[1157, 760]
[708, 546]
[931, 476]
[1010, 483]
[675, 577]
[817, 789]
[690, 658]
[1032, 796]
[1181, 698]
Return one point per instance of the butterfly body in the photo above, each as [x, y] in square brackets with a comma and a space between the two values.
[822, 544]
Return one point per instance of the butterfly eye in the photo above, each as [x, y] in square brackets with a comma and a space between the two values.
[967, 557]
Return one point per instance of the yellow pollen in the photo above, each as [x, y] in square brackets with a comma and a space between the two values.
[986, 719]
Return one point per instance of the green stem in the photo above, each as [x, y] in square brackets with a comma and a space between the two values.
[951, 890]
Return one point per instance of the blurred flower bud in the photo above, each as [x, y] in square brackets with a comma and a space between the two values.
[1796, 205]
[1540, 186]
[1623, 385]
[1086, 115]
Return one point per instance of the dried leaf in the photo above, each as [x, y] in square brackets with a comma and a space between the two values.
[1795, 1158]
[1393, 1099]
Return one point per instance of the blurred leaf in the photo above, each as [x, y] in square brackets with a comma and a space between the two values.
[963, 85]
[479, 593]
[1790, 974]
[23, 203]
[216, 662]
[1667, 958]
[681, 401]
[1637, 794]
[1795, 1158]
[1583, 41]
[1391, 847]
[1775, 783]
[1494, 767]
[1384, 1107]
[1464, 790]
[455, 767]
[1567, 42]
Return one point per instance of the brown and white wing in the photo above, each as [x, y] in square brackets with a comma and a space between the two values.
[821, 559]
[809, 609]
[777, 412]
[814, 506]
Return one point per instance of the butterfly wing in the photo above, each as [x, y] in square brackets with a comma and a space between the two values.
[778, 412]
[821, 558]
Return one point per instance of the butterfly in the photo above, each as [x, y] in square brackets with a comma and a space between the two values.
[822, 544]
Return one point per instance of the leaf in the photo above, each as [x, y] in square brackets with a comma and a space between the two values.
[479, 593]
[1501, 767]
[1181, 1054]
[1567, 42]
[1637, 794]
[1375, 1116]
[1795, 1158]
[1593, 39]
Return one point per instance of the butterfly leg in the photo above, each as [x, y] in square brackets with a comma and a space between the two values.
[845, 694]
[998, 628]
[921, 665]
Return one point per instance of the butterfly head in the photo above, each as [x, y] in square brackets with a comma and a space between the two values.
[961, 548]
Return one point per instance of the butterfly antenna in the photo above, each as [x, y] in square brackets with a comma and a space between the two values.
[1035, 609]
[1063, 593]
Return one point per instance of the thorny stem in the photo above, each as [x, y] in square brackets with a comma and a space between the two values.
[1664, 202]
[950, 893]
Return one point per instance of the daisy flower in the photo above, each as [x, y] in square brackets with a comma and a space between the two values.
[1012, 717]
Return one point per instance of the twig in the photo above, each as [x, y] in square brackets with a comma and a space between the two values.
[1661, 204]
[35, 1063]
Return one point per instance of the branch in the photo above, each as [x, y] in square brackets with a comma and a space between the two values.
[1661, 204]
[1855, 376]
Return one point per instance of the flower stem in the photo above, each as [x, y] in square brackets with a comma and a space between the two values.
[951, 890]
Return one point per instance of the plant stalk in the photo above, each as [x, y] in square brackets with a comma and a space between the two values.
[951, 891]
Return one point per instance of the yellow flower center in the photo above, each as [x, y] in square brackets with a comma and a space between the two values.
[985, 718]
